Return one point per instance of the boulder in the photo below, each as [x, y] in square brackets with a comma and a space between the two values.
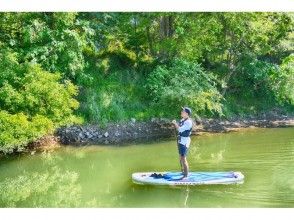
[106, 134]
[116, 134]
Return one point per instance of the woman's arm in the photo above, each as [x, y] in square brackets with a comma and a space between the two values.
[175, 124]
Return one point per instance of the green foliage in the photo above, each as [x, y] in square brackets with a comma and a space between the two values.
[18, 130]
[255, 78]
[283, 81]
[184, 83]
[227, 45]
[115, 97]
[56, 41]
[261, 86]
[271, 81]
[109, 56]
[32, 102]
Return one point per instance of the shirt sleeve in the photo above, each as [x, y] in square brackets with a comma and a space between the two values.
[186, 126]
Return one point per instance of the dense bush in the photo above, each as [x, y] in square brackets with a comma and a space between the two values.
[56, 41]
[18, 130]
[283, 84]
[260, 86]
[115, 97]
[32, 102]
[184, 83]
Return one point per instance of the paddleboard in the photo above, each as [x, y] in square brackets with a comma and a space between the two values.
[194, 178]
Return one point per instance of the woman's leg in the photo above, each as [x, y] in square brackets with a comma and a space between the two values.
[185, 165]
[180, 158]
[181, 164]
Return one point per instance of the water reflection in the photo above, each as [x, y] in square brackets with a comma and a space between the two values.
[53, 187]
[187, 196]
[218, 157]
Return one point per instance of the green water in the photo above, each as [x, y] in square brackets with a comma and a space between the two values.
[101, 176]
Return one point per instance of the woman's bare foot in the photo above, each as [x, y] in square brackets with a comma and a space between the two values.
[184, 177]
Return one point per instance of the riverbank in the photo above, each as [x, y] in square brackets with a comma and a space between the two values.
[134, 131]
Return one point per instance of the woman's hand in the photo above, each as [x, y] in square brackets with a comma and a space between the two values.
[175, 124]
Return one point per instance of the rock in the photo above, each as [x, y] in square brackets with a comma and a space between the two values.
[106, 134]
[156, 128]
[116, 134]
[165, 120]
[236, 124]
[133, 120]
[226, 129]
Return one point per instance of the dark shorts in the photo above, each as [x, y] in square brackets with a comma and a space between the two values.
[183, 150]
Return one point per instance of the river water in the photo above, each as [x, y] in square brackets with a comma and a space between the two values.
[98, 176]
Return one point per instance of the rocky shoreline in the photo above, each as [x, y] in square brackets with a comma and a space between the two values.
[134, 131]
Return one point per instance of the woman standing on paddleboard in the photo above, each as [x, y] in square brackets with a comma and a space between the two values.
[184, 128]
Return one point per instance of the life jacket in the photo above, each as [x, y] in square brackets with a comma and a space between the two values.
[185, 133]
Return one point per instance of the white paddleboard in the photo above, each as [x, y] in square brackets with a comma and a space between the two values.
[194, 178]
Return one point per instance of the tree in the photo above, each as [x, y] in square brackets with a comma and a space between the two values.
[184, 83]
[56, 41]
[33, 102]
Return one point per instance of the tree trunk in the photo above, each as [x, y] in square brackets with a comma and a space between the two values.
[150, 41]
[166, 26]
[166, 30]
[231, 66]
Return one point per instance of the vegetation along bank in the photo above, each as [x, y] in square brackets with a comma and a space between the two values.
[72, 72]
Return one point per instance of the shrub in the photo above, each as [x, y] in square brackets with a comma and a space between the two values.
[18, 130]
[32, 102]
[284, 81]
[271, 83]
[184, 83]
